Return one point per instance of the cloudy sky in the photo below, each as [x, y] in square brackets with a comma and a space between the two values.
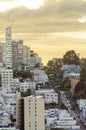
[50, 27]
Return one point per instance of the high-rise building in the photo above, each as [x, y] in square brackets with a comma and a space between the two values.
[7, 78]
[17, 53]
[31, 113]
[8, 49]
[18, 98]
[26, 55]
[1, 52]
[20, 52]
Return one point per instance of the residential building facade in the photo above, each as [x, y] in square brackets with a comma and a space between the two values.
[31, 113]
[17, 54]
[7, 78]
[26, 55]
[8, 49]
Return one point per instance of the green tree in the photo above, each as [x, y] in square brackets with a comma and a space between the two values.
[50, 63]
[54, 72]
[80, 90]
[63, 107]
[22, 74]
[71, 58]
[37, 65]
[66, 84]
[83, 75]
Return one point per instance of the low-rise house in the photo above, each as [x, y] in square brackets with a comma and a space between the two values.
[16, 84]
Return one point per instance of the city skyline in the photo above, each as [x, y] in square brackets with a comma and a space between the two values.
[51, 27]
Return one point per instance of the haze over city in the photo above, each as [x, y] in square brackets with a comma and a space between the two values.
[50, 27]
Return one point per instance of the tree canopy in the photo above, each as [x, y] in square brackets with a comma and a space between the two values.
[71, 58]
[80, 90]
[66, 84]
[23, 74]
[54, 72]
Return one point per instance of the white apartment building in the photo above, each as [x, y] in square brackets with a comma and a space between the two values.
[84, 112]
[31, 112]
[1, 102]
[81, 103]
[66, 122]
[64, 115]
[50, 120]
[26, 55]
[44, 91]
[8, 128]
[50, 95]
[4, 119]
[16, 84]
[10, 109]
[9, 98]
[8, 49]
[7, 78]
[51, 98]
[32, 85]
[57, 118]
[1, 52]
[34, 59]
[40, 76]
[38, 59]
[17, 54]
[24, 86]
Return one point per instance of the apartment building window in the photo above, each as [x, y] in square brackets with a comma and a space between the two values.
[29, 125]
[35, 125]
[35, 103]
[35, 114]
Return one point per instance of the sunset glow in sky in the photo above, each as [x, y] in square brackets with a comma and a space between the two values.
[50, 27]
